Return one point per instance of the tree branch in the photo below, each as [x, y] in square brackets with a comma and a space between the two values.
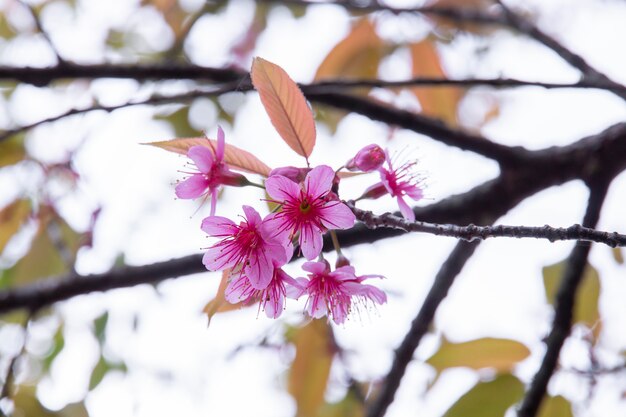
[153, 100]
[482, 204]
[433, 128]
[473, 232]
[419, 327]
[525, 26]
[564, 304]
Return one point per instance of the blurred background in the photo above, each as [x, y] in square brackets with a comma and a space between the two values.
[80, 195]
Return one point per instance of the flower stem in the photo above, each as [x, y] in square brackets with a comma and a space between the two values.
[333, 237]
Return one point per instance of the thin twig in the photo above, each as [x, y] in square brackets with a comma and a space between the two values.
[9, 376]
[525, 26]
[43, 32]
[152, 100]
[473, 232]
[564, 304]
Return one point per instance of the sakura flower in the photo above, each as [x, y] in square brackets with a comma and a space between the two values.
[212, 172]
[307, 209]
[398, 182]
[248, 246]
[271, 298]
[334, 293]
[368, 159]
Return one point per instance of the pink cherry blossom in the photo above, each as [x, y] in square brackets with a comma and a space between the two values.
[307, 209]
[335, 293]
[368, 159]
[247, 247]
[271, 298]
[212, 172]
[398, 182]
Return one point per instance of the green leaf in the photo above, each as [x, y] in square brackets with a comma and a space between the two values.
[309, 371]
[58, 343]
[500, 354]
[618, 255]
[101, 369]
[12, 150]
[44, 259]
[586, 303]
[488, 399]
[555, 407]
[27, 404]
[99, 326]
[11, 219]
[180, 122]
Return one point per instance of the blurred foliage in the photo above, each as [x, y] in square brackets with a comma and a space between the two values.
[587, 298]
[488, 399]
[499, 354]
[310, 369]
[359, 55]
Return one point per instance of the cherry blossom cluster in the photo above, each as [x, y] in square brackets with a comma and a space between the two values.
[255, 250]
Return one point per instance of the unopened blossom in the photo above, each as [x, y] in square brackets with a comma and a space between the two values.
[295, 174]
[336, 293]
[212, 172]
[271, 298]
[307, 209]
[399, 182]
[368, 159]
[248, 247]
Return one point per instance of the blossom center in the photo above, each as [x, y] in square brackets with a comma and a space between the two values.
[305, 207]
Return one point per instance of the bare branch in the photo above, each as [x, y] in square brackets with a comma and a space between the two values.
[153, 100]
[419, 327]
[473, 232]
[564, 304]
[527, 27]
[43, 32]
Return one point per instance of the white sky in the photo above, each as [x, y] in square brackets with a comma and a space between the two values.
[178, 366]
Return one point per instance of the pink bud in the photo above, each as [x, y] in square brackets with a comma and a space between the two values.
[368, 159]
[294, 174]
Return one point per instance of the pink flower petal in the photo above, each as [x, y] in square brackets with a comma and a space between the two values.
[259, 270]
[213, 201]
[406, 211]
[216, 258]
[319, 181]
[252, 216]
[202, 157]
[316, 268]
[192, 187]
[218, 226]
[276, 227]
[310, 241]
[281, 188]
[317, 307]
[415, 193]
[238, 290]
[274, 307]
[221, 144]
[336, 215]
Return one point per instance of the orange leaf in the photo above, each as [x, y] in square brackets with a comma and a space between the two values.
[235, 157]
[440, 102]
[356, 56]
[219, 304]
[310, 369]
[285, 105]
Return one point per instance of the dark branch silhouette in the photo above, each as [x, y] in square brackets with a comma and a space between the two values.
[564, 304]
[473, 232]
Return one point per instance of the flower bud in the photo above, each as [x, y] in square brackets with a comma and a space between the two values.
[294, 174]
[368, 159]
